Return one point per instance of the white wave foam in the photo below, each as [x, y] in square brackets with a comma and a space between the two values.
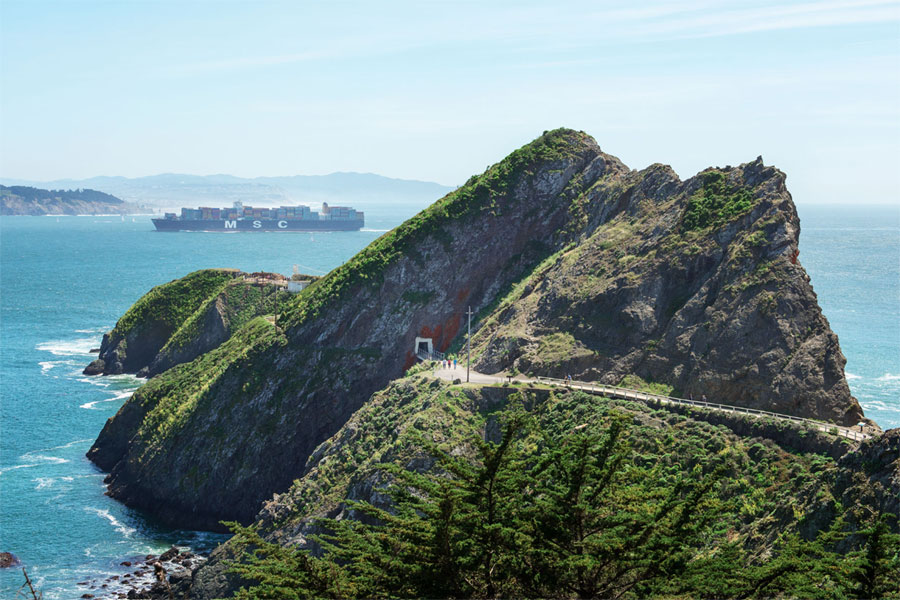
[103, 513]
[7, 469]
[126, 378]
[93, 404]
[97, 381]
[889, 377]
[47, 365]
[68, 347]
[878, 405]
[851, 376]
[34, 453]
[70, 444]
[53, 460]
[43, 482]
[94, 330]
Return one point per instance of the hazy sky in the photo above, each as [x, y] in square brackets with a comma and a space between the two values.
[439, 90]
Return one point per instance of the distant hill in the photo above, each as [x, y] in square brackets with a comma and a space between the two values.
[173, 190]
[23, 200]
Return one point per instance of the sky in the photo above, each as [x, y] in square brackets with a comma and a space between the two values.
[438, 91]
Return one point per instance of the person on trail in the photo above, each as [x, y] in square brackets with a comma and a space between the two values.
[454, 363]
[703, 397]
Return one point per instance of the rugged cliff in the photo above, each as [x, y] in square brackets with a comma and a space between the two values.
[178, 321]
[571, 261]
[694, 284]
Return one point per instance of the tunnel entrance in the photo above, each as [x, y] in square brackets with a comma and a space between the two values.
[424, 346]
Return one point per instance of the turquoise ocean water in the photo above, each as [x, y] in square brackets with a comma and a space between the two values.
[64, 281]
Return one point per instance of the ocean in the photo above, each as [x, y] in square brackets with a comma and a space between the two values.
[65, 281]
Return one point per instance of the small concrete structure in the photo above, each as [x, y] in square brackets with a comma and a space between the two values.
[297, 286]
[423, 345]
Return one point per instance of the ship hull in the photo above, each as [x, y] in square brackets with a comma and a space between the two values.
[245, 225]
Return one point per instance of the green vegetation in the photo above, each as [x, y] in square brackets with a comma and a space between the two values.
[559, 347]
[768, 302]
[171, 397]
[565, 496]
[764, 272]
[715, 203]
[169, 305]
[487, 319]
[241, 303]
[757, 238]
[486, 193]
[633, 382]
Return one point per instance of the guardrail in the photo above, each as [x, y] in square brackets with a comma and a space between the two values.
[435, 355]
[629, 394]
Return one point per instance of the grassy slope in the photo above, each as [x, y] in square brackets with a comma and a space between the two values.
[241, 302]
[169, 305]
[171, 397]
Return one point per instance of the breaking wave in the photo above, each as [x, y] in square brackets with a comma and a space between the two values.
[121, 396]
[47, 365]
[117, 525]
[68, 347]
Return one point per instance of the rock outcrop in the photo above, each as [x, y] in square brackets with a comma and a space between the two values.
[694, 284]
[571, 262]
[178, 321]
[8, 559]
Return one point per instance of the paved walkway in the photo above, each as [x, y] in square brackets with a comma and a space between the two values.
[610, 391]
[474, 377]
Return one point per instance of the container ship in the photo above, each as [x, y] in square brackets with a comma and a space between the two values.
[249, 218]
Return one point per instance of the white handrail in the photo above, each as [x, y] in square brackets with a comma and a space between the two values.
[623, 392]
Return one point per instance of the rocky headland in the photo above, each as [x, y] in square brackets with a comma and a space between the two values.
[178, 321]
[572, 263]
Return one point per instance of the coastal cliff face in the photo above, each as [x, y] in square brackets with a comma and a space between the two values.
[693, 284]
[178, 321]
[572, 263]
